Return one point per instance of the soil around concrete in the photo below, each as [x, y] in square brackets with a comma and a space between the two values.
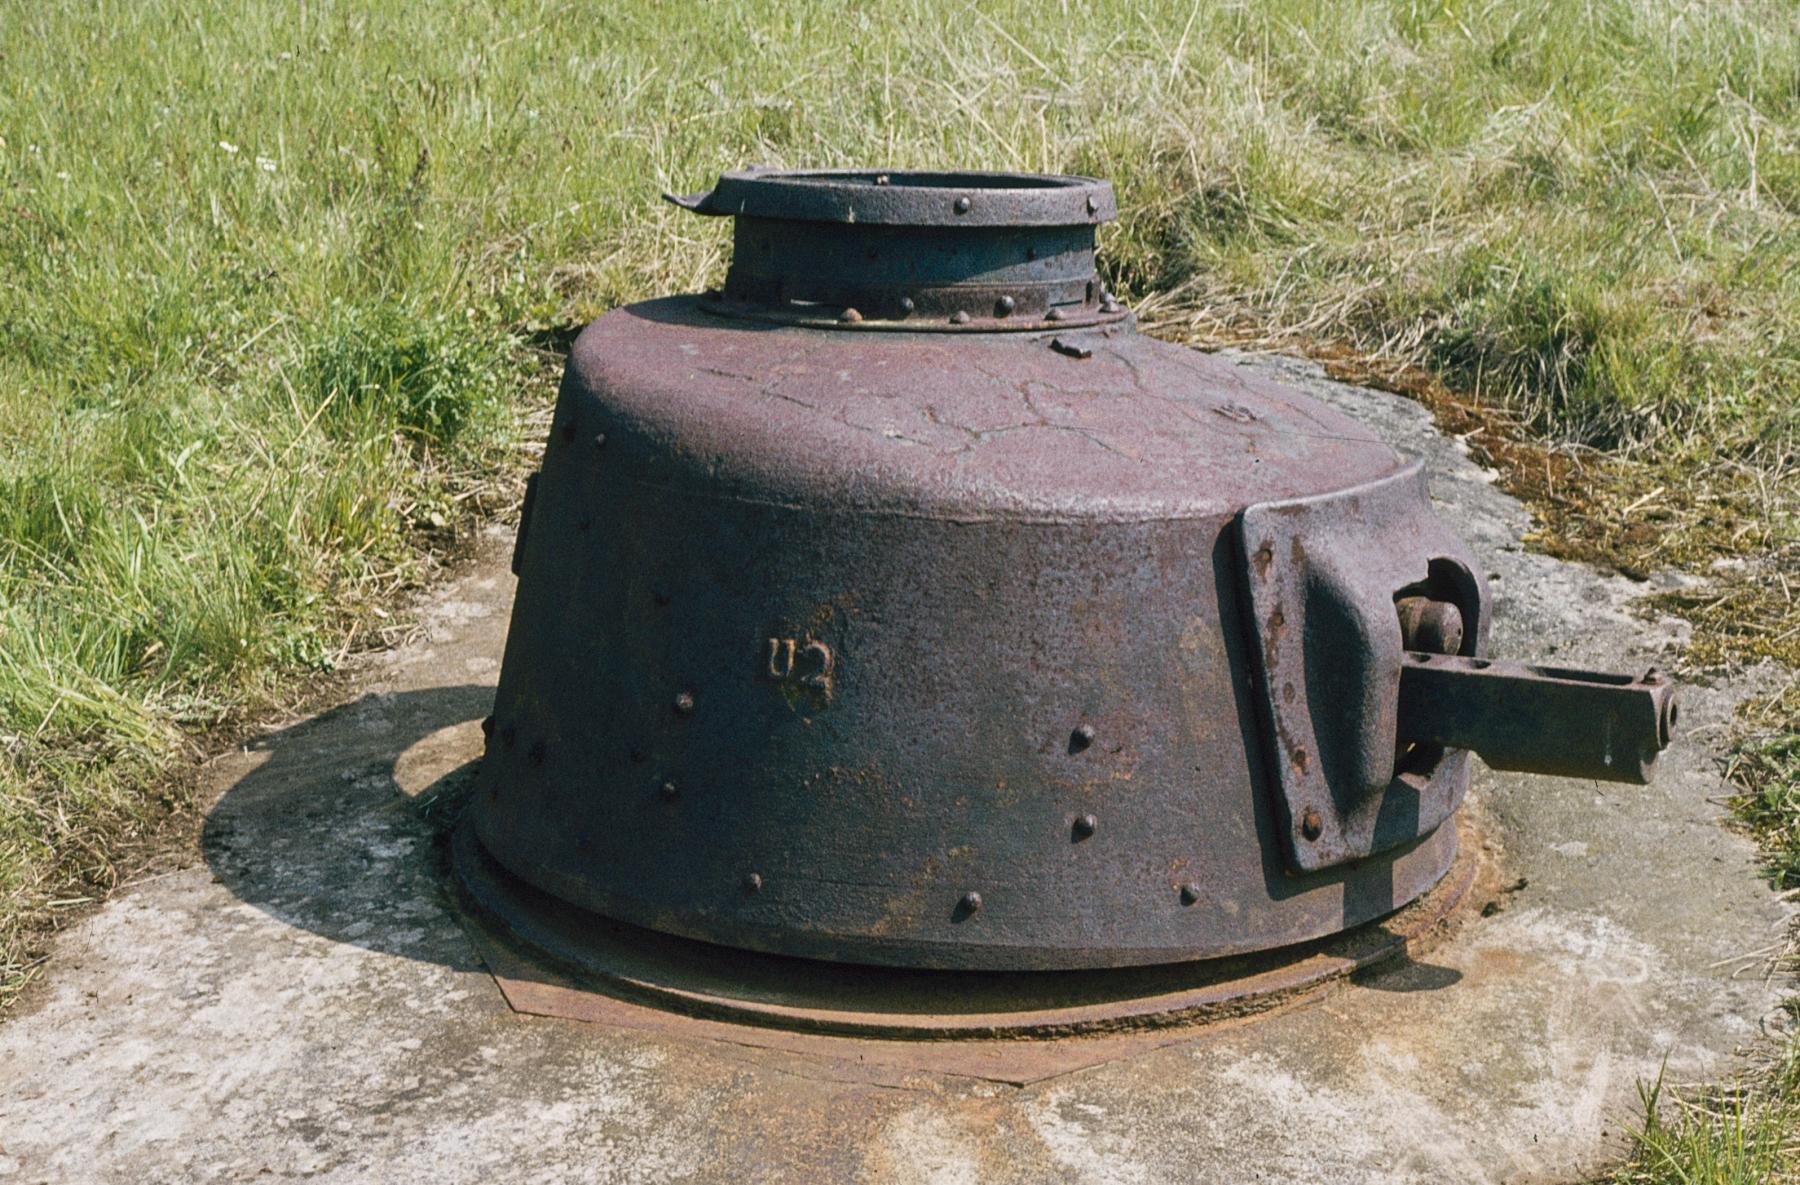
[305, 1003]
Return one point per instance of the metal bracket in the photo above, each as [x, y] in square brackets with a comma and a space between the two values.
[1321, 576]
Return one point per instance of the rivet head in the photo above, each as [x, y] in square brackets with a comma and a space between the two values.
[881, 179]
[684, 703]
[753, 882]
[970, 903]
[1085, 826]
[1190, 893]
[850, 316]
[959, 317]
[907, 305]
[1093, 204]
[1081, 737]
[599, 440]
[1311, 826]
[962, 205]
[1054, 315]
[667, 792]
[1005, 305]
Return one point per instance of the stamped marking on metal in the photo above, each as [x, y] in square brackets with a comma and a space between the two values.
[802, 662]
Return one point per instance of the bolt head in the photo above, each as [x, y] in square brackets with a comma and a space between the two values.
[1005, 305]
[1190, 893]
[970, 903]
[1311, 825]
[907, 305]
[1086, 826]
[1081, 737]
[684, 703]
[753, 882]
[962, 205]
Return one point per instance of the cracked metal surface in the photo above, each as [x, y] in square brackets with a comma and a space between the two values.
[956, 631]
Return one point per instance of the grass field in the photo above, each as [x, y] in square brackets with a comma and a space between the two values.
[270, 272]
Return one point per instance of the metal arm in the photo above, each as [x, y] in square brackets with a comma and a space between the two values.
[1542, 720]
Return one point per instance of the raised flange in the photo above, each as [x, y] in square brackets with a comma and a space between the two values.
[548, 942]
[912, 250]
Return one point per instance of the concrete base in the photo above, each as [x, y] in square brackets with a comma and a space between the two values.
[304, 1004]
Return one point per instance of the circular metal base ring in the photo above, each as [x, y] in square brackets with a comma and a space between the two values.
[775, 991]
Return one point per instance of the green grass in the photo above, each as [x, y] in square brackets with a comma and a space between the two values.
[266, 270]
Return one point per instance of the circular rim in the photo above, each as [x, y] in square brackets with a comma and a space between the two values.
[720, 304]
[908, 197]
[704, 981]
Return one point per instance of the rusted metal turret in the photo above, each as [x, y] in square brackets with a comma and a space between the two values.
[901, 604]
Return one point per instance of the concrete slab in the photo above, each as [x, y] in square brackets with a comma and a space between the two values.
[302, 1003]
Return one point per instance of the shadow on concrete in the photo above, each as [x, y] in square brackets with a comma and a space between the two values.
[338, 828]
[1406, 975]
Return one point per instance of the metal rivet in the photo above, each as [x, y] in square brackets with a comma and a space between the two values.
[850, 316]
[962, 205]
[1081, 738]
[667, 792]
[1005, 305]
[487, 726]
[599, 440]
[1311, 826]
[906, 304]
[970, 903]
[881, 178]
[1085, 826]
[1054, 315]
[1093, 204]
[959, 317]
[1190, 893]
[753, 882]
[684, 703]
[536, 755]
